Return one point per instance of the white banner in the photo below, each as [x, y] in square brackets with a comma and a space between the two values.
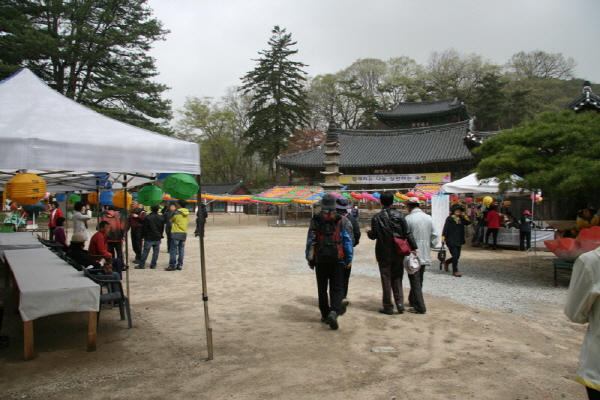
[439, 212]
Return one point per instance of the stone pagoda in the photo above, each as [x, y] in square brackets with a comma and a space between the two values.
[332, 160]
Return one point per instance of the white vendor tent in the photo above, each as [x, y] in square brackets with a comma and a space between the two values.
[64, 142]
[470, 184]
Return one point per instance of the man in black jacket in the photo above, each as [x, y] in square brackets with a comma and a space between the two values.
[386, 224]
[152, 233]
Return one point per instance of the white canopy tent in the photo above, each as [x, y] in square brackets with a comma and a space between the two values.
[470, 184]
[44, 132]
[69, 145]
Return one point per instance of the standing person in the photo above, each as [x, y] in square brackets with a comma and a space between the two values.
[135, 222]
[355, 212]
[116, 235]
[180, 220]
[525, 230]
[152, 232]
[493, 225]
[583, 306]
[60, 235]
[341, 207]
[385, 225]
[55, 214]
[327, 232]
[454, 236]
[99, 247]
[168, 212]
[80, 216]
[423, 230]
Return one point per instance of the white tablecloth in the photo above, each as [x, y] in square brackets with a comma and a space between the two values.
[17, 241]
[510, 237]
[48, 285]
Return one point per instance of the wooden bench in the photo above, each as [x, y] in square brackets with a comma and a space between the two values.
[563, 265]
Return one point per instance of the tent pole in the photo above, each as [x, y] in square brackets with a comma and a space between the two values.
[127, 228]
[202, 221]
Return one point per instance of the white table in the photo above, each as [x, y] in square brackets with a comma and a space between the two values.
[17, 241]
[510, 237]
[48, 285]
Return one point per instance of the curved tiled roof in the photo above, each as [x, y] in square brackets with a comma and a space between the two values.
[440, 144]
[423, 109]
[587, 100]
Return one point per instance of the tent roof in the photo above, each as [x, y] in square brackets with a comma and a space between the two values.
[43, 131]
[470, 184]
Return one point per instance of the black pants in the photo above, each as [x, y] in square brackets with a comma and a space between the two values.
[455, 253]
[391, 272]
[347, 272]
[136, 241]
[330, 276]
[494, 233]
[593, 394]
[116, 249]
[524, 237]
[415, 297]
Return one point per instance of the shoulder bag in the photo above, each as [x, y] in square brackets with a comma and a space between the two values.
[401, 246]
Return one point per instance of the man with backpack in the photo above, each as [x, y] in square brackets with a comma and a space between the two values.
[328, 251]
[342, 207]
[385, 226]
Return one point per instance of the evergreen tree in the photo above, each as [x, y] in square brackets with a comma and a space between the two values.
[279, 101]
[92, 51]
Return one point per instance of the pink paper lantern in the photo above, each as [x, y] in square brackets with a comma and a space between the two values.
[411, 194]
[469, 200]
[453, 197]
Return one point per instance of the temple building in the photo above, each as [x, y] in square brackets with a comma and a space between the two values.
[427, 144]
[587, 101]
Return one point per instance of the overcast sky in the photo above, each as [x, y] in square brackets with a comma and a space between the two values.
[212, 42]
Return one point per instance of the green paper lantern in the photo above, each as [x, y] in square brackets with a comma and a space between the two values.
[150, 195]
[181, 186]
[74, 198]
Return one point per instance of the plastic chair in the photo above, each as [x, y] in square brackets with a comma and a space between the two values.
[115, 296]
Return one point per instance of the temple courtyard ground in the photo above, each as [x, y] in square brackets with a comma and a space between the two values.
[268, 342]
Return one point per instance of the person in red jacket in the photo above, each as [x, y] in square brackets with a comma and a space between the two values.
[493, 224]
[99, 247]
[55, 214]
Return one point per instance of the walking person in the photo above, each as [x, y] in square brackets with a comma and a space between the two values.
[525, 231]
[152, 233]
[493, 225]
[135, 222]
[342, 207]
[328, 251]
[55, 214]
[385, 225]
[454, 236]
[583, 306]
[180, 220]
[423, 230]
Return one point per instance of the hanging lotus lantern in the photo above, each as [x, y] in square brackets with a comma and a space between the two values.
[74, 198]
[61, 197]
[93, 198]
[25, 189]
[106, 198]
[150, 195]
[181, 186]
[122, 199]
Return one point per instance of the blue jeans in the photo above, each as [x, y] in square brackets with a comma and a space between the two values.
[177, 253]
[155, 245]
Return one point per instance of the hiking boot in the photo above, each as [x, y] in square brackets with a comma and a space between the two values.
[412, 310]
[386, 311]
[401, 308]
[332, 319]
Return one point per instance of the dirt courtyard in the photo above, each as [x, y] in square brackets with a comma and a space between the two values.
[269, 342]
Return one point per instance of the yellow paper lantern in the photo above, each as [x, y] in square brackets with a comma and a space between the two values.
[93, 198]
[119, 199]
[26, 189]
[539, 199]
[507, 203]
[487, 200]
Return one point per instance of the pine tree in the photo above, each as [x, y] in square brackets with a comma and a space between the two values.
[92, 51]
[279, 101]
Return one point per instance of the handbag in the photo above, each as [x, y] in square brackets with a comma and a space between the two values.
[441, 256]
[401, 246]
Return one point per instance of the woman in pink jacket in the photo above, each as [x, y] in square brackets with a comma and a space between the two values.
[493, 224]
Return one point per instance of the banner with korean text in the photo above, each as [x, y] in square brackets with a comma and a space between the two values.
[439, 177]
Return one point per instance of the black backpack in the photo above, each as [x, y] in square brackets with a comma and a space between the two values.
[327, 239]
